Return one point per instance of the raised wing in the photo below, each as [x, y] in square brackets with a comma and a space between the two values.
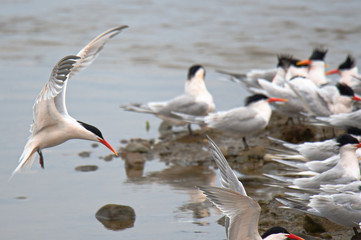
[242, 211]
[228, 178]
[51, 100]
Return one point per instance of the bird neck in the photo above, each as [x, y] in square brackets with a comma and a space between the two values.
[263, 109]
[195, 86]
[317, 73]
[348, 160]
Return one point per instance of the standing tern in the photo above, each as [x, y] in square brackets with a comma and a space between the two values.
[349, 75]
[346, 170]
[242, 121]
[52, 125]
[343, 120]
[317, 65]
[309, 151]
[286, 69]
[343, 207]
[196, 100]
[242, 212]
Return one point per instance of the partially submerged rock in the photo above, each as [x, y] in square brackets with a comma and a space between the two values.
[116, 217]
[86, 168]
[84, 154]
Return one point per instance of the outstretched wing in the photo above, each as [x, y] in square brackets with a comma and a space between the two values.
[242, 211]
[228, 178]
[51, 100]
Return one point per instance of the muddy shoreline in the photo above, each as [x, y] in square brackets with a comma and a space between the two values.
[183, 150]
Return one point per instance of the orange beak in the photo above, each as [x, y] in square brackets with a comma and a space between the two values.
[304, 62]
[356, 98]
[108, 145]
[277, 100]
[292, 236]
[334, 71]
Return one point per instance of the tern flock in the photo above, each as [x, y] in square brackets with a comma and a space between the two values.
[323, 178]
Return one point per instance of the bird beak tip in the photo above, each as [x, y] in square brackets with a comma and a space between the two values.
[277, 100]
[103, 141]
[335, 71]
[303, 62]
[292, 236]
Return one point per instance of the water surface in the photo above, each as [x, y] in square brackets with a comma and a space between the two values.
[147, 62]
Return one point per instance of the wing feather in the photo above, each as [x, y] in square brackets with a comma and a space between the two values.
[51, 100]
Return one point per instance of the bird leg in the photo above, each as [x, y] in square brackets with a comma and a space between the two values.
[190, 129]
[357, 234]
[245, 143]
[41, 160]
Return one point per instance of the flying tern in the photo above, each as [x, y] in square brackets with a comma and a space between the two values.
[52, 125]
[242, 212]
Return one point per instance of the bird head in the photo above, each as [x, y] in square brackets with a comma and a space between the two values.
[196, 71]
[98, 135]
[279, 233]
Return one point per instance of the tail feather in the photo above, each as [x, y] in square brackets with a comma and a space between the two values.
[190, 118]
[27, 157]
[294, 164]
[279, 178]
[135, 107]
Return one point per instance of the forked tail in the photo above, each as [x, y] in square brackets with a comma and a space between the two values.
[27, 157]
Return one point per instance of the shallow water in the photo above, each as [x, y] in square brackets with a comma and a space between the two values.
[146, 62]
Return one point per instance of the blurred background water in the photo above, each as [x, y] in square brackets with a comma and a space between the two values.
[147, 62]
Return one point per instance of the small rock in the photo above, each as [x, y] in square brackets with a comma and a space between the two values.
[312, 225]
[116, 217]
[95, 145]
[21, 197]
[84, 154]
[86, 168]
[108, 157]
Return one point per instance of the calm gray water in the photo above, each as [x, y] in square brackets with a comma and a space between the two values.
[146, 62]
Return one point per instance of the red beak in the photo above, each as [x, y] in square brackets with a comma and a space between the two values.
[356, 98]
[277, 100]
[304, 62]
[334, 71]
[108, 145]
[291, 236]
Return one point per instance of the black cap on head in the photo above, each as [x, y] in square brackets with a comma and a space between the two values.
[346, 139]
[92, 129]
[348, 63]
[285, 60]
[318, 54]
[274, 230]
[354, 131]
[193, 71]
[345, 90]
[255, 98]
